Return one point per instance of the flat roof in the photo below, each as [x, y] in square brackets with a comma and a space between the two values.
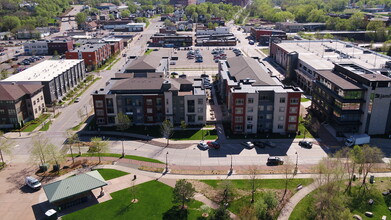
[321, 54]
[45, 71]
[338, 80]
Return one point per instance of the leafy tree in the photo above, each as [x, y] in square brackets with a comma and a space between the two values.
[132, 7]
[111, 17]
[56, 156]
[370, 156]
[4, 74]
[389, 51]
[169, 9]
[123, 123]
[221, 214]
[99, 146]
[80, 18]
[72, 138]
[183, 125]
[5, 146]
[183, 192]
[167, 130]
[10, 22]
[125, 13]
[226, 192]
[194, 17]
[39, 150]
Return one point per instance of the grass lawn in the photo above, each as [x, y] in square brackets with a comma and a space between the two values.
[46, 126]
[148, 51]
[265, 51]
[358, 203]
[109, 174]
[194, 135]
[109, 68]
[262, 183]
[132, 157]
[304, 100]
[31, 126]
[154, 202]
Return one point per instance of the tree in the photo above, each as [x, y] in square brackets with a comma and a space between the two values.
[221, 214]
[4, 74]
[132, 7]
[10, 22]
[168, 9]
[226, 192]
[125, 13]
[72, 138]
[39, 151]
[5, 146]
[123, 123]
[289, 172]
[194, 17]
[56, 156]
[183, 192]
[253, 182]
[80, 18]
[167, 130]
[371, 155]
[184, 125]
[99, 146]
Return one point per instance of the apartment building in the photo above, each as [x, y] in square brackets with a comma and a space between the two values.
[57, 77]
[149, 101]
[20, 104]
[257, 102]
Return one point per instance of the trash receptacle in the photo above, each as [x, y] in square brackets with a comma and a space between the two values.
[44, 167]
[51, 214]
[354, 177]
[372, 179]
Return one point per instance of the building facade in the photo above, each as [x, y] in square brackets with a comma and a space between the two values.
[264, 36]
[178, 40]
[58, 77]
[47, 47]
[149, 101]
[256, 101]
[20, 104]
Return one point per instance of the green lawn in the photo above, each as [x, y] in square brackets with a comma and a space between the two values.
[154, 202]
[46, 126]
[148, 51]
[132, 157]
[262, 183]
[305, 100]
[194, 135]
[357, 203]
[109, 174]
[32, 125]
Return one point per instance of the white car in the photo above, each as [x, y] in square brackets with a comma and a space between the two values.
[203, 146]
[248, 144]
[33, 183]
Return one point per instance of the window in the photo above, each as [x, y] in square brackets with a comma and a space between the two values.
[280, 126]
[294, 101]
[238, 110]
[98, 103]
[200, 110]
[261, 108]
[190, 106]
[250, 109]
[249, 118]
[282, 100]
[149, 118]
[292, 127]
[269, 116]
[12, 111]
[200, 101]
[270, 108]
[282, 109]
[281, 118]
[249, 127]
[100, 112]
[2, 111]
[101, 121]
[238, 128]
[149, 110]
[250, 100]
[238, 119]
[34, 102]
[148, 101]
[159, 101]
[200, 118]
[43, 105]
[35, 110]
[293, 110]
[239, 101]
[292, 118]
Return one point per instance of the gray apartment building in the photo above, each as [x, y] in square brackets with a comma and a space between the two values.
[58, 77]
[151, 100]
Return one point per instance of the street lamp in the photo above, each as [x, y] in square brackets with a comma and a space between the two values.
[231, 169]
[123, 150]
[166, 162]
[297, 161]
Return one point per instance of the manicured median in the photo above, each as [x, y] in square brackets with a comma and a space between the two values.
[154, 202]
[132, 157]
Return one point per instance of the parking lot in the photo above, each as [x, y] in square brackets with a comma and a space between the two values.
[13, 64]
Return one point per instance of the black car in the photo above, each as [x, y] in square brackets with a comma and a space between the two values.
[305, 144]
[274, 161]
[263, 144]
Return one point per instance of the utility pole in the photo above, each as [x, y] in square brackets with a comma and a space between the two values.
[231, 170]
[167, 162]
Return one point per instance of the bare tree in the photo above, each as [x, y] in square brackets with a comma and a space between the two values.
[99, 146]
[167, 130]
[6, 146]
[350, 158]
[39, 151]
[253, 181]
[123, 123]
[371, 156]
[289, 173]
[73, 138]
[56, 155]
[133, 191]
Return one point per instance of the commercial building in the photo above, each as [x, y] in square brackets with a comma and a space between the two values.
[171, 40]
[58, 77]
[264, 36]
[20, 104]
[350, 85]
[47, 47]
[59, 46]
[291, 27]
[148, 64]
[215, 31]
[151, 100]
[183, 2]
[120, 25]
[257, 102]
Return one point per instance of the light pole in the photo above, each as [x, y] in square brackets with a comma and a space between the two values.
[166, 162]
[123, 150]
[297, 161]
[231, 170]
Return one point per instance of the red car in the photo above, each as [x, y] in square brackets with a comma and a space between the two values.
[213, 144]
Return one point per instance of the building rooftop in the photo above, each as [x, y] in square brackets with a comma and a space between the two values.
[321, 54]
[339, 80]
[45, 71]
[146, 62]
[89, 47]
[131, 84]
[9, 92]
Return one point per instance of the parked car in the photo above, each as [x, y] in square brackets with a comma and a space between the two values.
[263, 144]
[172, 63]
[274, 161]
[33, 183]
[305, 144]
[77, 100]
[248, 144]
[202, 145]
[213, 144]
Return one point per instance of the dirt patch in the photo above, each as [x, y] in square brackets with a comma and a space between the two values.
[151, 169]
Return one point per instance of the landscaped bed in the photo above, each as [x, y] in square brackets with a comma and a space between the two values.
[154, 202]
[132, 157]
[109, 174]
